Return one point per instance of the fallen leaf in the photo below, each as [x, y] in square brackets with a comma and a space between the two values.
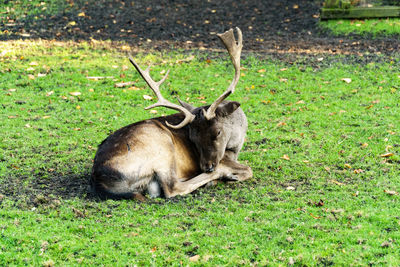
[364, 145]
[123, 84]
[46, 117]
[33, 63]
[314, 216]
[82, 14]
[357, 171]
[131, 234]
[147, 97]
[49, 93]
[279, 124]
[337, 211]
[346, 80]
[153, 111]
[285, 157]
[194, 258]
[41, 74]
[78, 213]
[75, 93]
[261, 70]
[391, 192]
[30, 69]
[336, 182]
[96, 78]
[386, 155]
[134, 88]
[347, 166]
[31, 77]
[290, 188]
[72, 23]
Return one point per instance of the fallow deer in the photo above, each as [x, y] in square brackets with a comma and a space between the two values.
[176, 154]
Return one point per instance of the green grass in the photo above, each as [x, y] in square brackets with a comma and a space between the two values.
[367, 27]
[328, 201]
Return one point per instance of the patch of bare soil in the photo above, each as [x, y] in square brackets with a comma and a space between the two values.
[272, 27]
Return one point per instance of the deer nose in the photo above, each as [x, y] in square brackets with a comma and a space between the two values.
[210, 167]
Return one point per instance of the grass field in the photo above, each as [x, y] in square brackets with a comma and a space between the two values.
[364, 27]
[323, 143]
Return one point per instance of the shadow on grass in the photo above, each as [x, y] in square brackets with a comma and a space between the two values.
[42, 187]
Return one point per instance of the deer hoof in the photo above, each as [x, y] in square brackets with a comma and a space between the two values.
[232, 177]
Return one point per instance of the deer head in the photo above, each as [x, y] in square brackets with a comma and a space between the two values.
[210, 127]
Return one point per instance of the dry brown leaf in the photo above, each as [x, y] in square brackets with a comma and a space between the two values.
[96, 78]
[194, 258]
[391, 192]
[386, 155]
[357, 171]
[75, 93]
[336, 182]
[123, 84]
[364, 145]
[261, 70]
[285, 157]
[347, 166]
[279, 124]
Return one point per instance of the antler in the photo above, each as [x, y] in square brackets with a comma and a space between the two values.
[162, 102]
[234, 50]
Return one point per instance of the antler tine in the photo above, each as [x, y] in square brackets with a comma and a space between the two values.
[162, 102]
[234, 50]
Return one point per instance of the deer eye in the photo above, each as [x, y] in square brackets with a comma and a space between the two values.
[216, 135]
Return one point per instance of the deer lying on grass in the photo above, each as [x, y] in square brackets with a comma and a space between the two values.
[176, 154]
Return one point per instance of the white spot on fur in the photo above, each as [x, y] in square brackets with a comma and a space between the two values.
[154, 189]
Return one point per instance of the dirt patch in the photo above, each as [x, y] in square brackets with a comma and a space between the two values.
[43, 188]
[275, 27]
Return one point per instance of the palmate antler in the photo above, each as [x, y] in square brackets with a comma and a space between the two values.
[234, 50]
[162, 102]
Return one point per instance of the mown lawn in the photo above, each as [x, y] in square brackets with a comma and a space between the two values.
[383, 27]
[323, 142]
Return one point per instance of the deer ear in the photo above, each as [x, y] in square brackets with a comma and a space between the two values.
[226, 109]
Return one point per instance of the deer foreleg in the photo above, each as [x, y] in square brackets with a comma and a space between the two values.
[186, 187]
